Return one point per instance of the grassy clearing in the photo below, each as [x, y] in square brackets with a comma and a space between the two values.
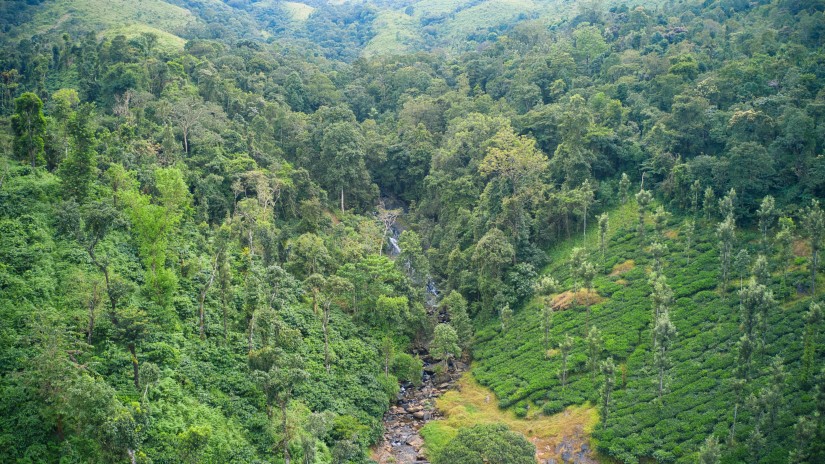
[166, 41]
[396, 33]
[105, 14]
[298, 11]
[472, 404]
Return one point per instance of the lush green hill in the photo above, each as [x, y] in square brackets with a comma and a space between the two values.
[699, 399]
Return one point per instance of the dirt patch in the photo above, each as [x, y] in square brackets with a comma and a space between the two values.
[801, 248]
[564, 300]
[621, 268]
[566, 434]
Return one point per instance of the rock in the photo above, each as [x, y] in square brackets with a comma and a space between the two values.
[416, 442]
[412, 409]
[419, 415]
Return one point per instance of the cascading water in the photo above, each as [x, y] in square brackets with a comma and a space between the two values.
[396, 250]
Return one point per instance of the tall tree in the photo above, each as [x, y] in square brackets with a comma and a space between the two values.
[445, 344]
[455, 306]
[603, 227]
[665, 334]
[608, 370]
[784, 245]
[710, 452]
[565, 346]
[624, 188]
[726, 233]
[595, 345]
[29, 126]
[813, 222]
[643, 199]
[708, 203]
[767, 217]
[810, 340]
[689, 232]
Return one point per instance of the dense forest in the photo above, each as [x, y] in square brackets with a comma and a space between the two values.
[233, 231]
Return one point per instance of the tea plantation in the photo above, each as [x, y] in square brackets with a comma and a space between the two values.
[699, 396]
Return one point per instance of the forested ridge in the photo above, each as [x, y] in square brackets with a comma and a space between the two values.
[230, 237]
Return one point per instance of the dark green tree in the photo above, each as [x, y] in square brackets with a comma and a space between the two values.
[29, 126]
[492, 444]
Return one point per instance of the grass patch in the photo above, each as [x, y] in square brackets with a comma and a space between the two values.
[298, 11]
[472, 404]
[105, 14]
[396, 33]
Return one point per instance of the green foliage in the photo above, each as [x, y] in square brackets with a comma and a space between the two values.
[29, 126]
[487, 443]
[173, 214]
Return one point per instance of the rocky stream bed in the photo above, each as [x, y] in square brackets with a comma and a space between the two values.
[415, 407]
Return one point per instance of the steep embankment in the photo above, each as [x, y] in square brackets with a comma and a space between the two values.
[699, 397]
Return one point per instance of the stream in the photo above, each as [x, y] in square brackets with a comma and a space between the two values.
[415, 406]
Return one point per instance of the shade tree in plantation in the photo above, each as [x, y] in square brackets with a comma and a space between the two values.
[689, 232]
[813, 225]
[505, 316]
[710, 451]
[708, 203]
[658, 251]
[784, 245]
[811, 340]
[727, 205]
[695, 196]
[608, 370]
[624, 188]
[665, 334]
[660, 219]
[767, 218]
[761, 271]
[565, 346]
[544, 287]
[741, 265]
[603, 229]
[595, 346]
[726, 233]
[643, 199]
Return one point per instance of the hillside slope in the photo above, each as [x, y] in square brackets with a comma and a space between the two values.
[699, 398]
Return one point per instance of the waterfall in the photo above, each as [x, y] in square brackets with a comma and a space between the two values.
[396, 250]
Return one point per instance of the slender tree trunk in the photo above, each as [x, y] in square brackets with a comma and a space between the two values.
[342, 199]
[285, 442]
[326, 338]
[250, 330]
[733, 425]
[814, 264]
[136, 374]
[60, 434]
[223, 308]
[202, 298]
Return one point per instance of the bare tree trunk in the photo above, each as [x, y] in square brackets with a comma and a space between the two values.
[202, 297]
[342, 199]
[131, 347]
[326, 337]
[286, 437]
